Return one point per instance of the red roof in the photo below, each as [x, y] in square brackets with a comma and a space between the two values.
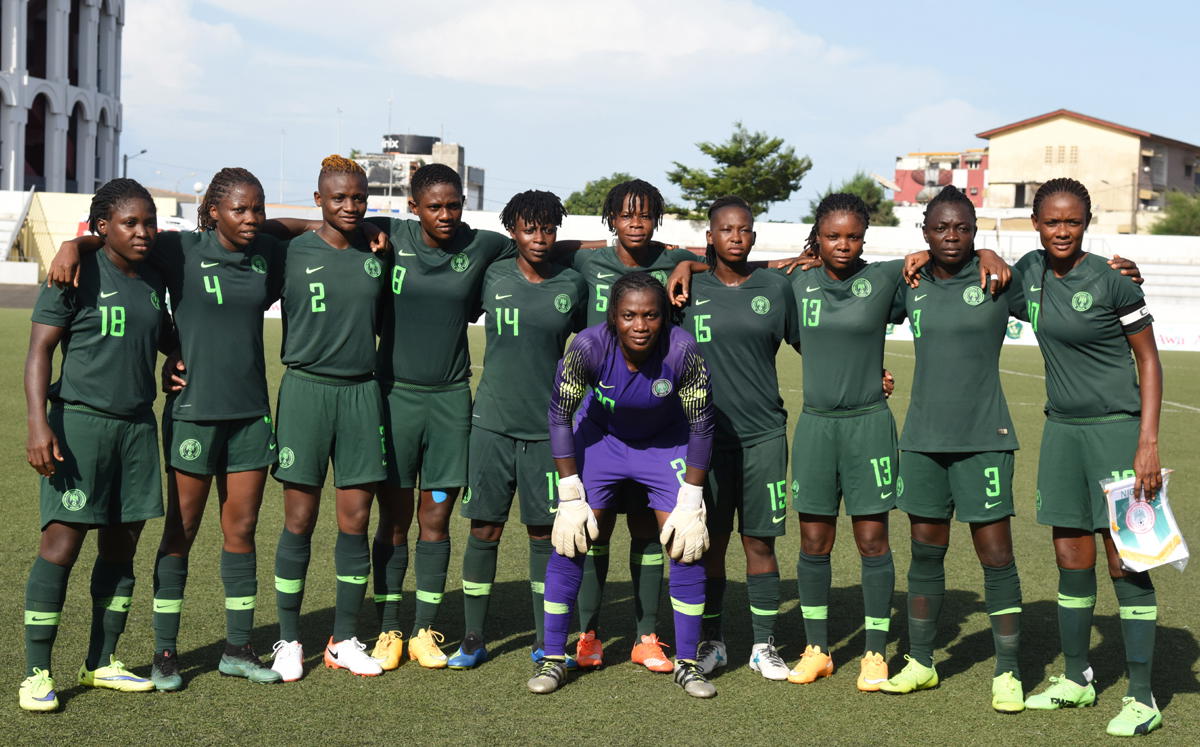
[1076, 115]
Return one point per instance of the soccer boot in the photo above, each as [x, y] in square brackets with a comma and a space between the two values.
[114, 677]
[242, 662]
[1135, 718]
[692, 680]
[711, 656]
[765, 660]
[164, 673]
[1007, 695]
[470, 654]
[539, 653]
[1062, 693]
[813, 663]
[37, 692]
[548, 676]
[289, 660]
[423, 649]
[915, 676]
[872, 672]
[352, 655]
[589, 652]
[648, 652]
[389, 650]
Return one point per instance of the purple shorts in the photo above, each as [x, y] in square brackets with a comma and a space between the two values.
[605, 462]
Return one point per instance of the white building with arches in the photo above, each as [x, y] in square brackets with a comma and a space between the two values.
[60, 89]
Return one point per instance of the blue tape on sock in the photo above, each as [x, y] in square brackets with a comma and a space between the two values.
[439, 496]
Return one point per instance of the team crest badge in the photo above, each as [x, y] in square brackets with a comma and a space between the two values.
[760, 305]
[661, 387]
[1014, 329]
[190, 449]
[795, 488]
[154, 300]
[1081, 301]
[889, 329]
[74, 499]
[460, 263]
[899, 486]
[258, 263]
[1140, 517]
[562, 302]
[973, 295]
[660, 276]
[861, 288]
[286, 458]
[372, 267]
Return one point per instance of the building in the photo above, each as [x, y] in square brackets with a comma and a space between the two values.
[60, 108]
[920, 176]
[389, 172]
[1121, 166]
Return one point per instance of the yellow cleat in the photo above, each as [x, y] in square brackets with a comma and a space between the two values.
[114, 677]
[423, 649]
[813, 664]
[872, 672]
[37, 692]
[389, 650]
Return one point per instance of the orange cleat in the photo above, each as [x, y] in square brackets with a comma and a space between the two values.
[648, 652]
[588, 650]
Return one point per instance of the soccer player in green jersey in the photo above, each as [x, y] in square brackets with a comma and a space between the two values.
[97, 447]
[329, 408]
[531, 307]
[1102, 414]
[957, 445]
[739, 315]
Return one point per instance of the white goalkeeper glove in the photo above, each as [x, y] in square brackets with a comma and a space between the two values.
[685, 532]
[574, 522]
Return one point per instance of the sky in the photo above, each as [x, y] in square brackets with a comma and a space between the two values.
[549, 94]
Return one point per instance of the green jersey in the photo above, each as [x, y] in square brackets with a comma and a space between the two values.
[1081, 321]
[958, 329]
[217, 298]
[112, 327]
[738, 330]
[527, 325]
[842, 327]
[601, 268]
[331, 302]
[435, 293]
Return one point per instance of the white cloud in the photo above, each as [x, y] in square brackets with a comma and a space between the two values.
[944, 125]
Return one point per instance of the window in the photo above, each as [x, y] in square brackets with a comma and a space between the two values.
[1187, 170]
[1049, 154]
[1074, 154]
[1062, 153]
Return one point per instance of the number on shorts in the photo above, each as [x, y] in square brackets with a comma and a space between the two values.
[318, 297]
[703, 331]
[1122, 474]
[398, 273]
[112, 321]
[511, 317]
[883, 471]
[680, 466]
[992, 475]
[778, 493]
[810, 312]
[916, 322]
[212, 284]
[551, 484]
[601, 297]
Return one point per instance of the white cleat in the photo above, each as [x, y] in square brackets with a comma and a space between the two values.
[711, 656]
[289, 660]
[765, 660]
[352, 655]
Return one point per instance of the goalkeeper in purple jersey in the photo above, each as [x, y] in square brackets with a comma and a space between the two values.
[646, 419]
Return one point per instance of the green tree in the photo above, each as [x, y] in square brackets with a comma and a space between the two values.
[869, 191]
[752, 165]
[590, 199]
[1182, 216]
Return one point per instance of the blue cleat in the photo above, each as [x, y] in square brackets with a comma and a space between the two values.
[464, 660]
[539, 654]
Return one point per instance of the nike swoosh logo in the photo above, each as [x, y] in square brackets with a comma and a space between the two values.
[605, 275]
[245, 605]
[701, 303]
[778, 520]
[106, 295]
[501, 298]
[183, 406]
[554, 510]
[1035, 289]
[810, 290]
[918, 298]
[48, 697]
[1141, 612]
[41, 619]
[311, 270]
[885, 496]
[207, 265]
[990, 506]
[403, 253]
[607, 386]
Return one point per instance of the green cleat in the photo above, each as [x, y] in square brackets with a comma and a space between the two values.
[114, 677]
[244, 663]
[37, 692]
[164, 673]
[1135, 718]
[1062, 693]
[915, 676]
[1007, 695]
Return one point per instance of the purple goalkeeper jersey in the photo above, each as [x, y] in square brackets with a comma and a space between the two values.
[668, 396]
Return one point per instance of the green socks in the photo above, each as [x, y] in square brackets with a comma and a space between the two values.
[926, 591]
[478, 575]
[352, 563]
[539, 557]
[112, 595]
[390, 564]
[431, 561]
[170, 577]
[44, 595]
[239, 576]
[1139, 615]
[714, 601]
[591, 589]
[762, 589]
[291, 566]
[1076, 601]
[1002, 595]
[814, 576]
[646, 572]
[878, 583]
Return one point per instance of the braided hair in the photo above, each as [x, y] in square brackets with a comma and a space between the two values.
[434, 173]
[710, 251]
[535, 207]
[836, 202]
[642, 195]
[1063, 185]
[950, 195]
[219, 188]
[631, 283]
[112, 195]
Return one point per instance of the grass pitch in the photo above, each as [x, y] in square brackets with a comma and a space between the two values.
[621, 703]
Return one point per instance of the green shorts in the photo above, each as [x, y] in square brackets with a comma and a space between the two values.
[218, 447]
[109, 473]
[847, 456]
[428, 433]
[751, 481]
[972, 486]
[319, 418]
[499, 465]
[1076, 455]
